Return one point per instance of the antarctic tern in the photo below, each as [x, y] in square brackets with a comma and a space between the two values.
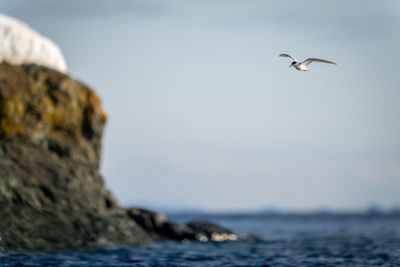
[303, 65]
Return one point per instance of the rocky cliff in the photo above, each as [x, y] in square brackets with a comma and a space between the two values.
[52, 195]
[51, 192]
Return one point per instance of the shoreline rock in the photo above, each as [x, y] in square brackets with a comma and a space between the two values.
[160, 227]
[51, 192]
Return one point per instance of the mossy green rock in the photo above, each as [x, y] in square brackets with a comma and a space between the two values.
[52, 195]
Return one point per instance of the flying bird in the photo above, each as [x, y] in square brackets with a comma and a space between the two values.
[303, 65]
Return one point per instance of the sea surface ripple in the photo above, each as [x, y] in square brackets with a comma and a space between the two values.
[287, 240]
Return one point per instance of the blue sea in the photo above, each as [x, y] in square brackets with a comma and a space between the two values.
[287, 240]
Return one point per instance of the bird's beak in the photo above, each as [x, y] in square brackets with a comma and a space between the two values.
[290, 66]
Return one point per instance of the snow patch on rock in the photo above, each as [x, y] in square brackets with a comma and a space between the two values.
[21, 44]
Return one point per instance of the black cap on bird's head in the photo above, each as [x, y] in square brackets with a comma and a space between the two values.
[294, 62]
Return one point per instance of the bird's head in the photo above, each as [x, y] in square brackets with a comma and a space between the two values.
[294, 62]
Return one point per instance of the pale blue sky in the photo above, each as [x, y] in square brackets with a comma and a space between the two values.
[204, 114]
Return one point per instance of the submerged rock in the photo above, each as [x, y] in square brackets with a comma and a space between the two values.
[209, 231]
[51, 192]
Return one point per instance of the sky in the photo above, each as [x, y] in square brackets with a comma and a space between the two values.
[203, 114]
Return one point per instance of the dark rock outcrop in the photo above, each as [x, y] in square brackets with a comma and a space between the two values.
[161, 228]
[51, 192]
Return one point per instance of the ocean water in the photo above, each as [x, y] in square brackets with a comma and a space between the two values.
[287, 240]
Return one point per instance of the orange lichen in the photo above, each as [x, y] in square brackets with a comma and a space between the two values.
[95, 101]
[10, 129]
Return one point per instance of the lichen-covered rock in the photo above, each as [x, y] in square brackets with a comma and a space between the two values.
[51, 193]
[49, 109]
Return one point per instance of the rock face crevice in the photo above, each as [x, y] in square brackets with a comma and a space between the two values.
[51, 192]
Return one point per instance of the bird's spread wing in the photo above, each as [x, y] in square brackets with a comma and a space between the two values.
[311, 60]
[286, 55]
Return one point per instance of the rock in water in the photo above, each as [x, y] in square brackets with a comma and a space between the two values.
[161, 228]
[51, 193]
[21, 44]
